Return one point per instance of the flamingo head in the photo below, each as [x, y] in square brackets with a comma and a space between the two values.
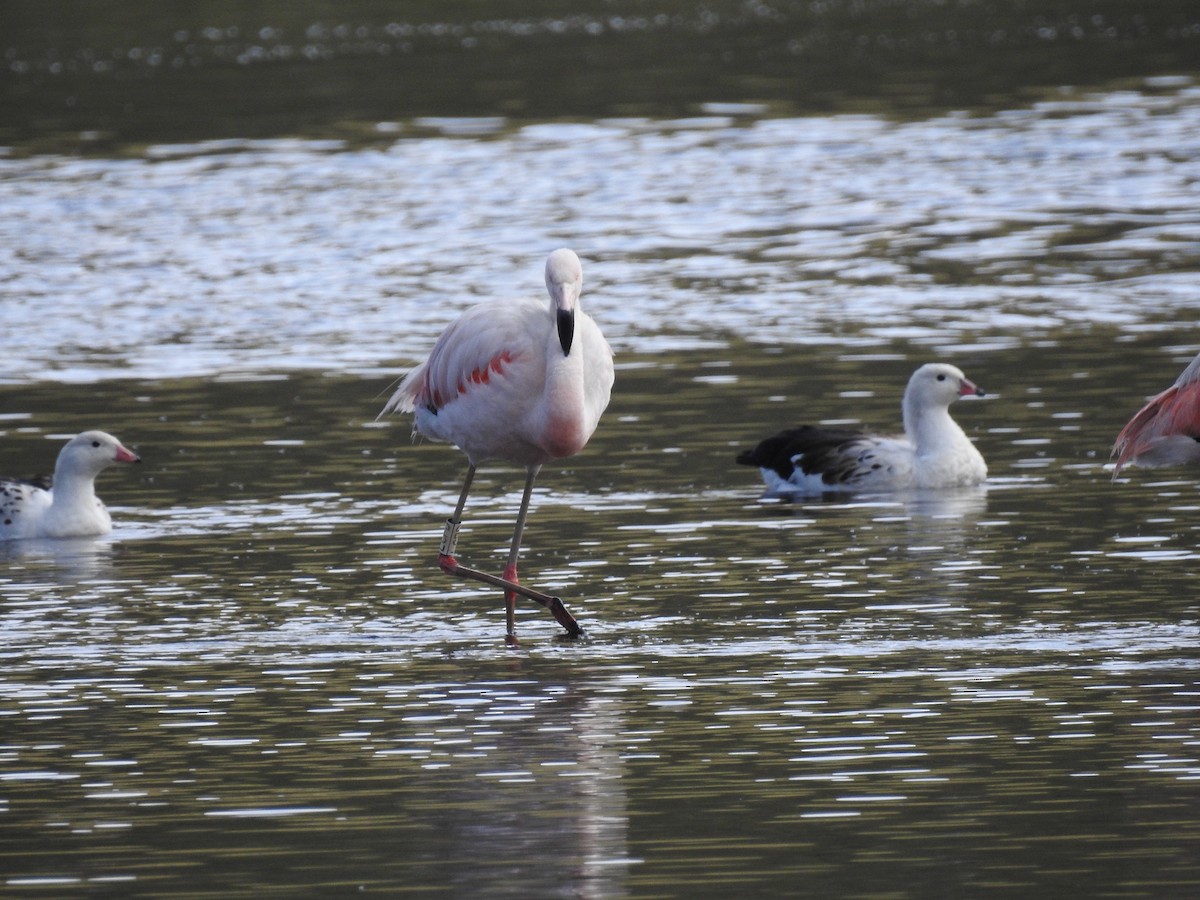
[564, 282]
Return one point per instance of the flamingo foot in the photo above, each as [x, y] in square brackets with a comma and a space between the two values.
[564, 618]
[452, 566]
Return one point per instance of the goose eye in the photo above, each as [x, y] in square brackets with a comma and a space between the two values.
[95, 443]
[941, 378]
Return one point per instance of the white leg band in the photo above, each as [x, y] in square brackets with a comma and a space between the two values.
[450, 537]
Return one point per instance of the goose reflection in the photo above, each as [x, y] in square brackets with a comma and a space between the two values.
[59, 560]
[924, 521]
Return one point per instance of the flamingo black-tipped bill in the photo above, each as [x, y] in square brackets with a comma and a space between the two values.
[566, 329]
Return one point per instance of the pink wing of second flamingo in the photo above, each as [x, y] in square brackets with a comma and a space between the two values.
[1166, 431]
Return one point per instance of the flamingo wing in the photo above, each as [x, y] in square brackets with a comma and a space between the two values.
[482, 345]
[1165, 431]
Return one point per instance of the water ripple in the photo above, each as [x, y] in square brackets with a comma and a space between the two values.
[276, 255]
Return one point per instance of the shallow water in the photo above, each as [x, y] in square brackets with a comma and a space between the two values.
[261, 683]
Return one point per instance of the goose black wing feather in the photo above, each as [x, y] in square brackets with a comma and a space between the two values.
[823, 451]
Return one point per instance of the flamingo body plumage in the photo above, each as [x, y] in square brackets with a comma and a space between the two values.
[1166, 431]
[498, 386]
[519, 381]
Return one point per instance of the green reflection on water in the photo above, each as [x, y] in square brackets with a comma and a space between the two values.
[123, 73]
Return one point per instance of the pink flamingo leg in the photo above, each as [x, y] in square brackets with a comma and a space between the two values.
[509, 583]
[510, 571]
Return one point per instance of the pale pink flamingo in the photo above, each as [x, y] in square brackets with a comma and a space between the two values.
[522, 381]
[1166, 431]
[65, 505]
[933, 452]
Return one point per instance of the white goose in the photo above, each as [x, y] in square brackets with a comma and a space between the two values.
[67, 505]
[933, 452]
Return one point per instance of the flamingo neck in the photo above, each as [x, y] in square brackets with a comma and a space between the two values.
[564, 427]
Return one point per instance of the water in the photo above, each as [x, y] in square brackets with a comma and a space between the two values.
[261, 683]
[849, 229]
[114, 78]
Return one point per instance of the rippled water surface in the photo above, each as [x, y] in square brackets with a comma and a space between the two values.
[260, 683]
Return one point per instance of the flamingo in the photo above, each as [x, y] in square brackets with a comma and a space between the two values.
[65, 505]
[1166, 431]
[933, 452]
[520, 381]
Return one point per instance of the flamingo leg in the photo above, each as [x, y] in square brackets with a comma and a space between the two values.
[451, 566]
[450, 536]
[510, 571]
